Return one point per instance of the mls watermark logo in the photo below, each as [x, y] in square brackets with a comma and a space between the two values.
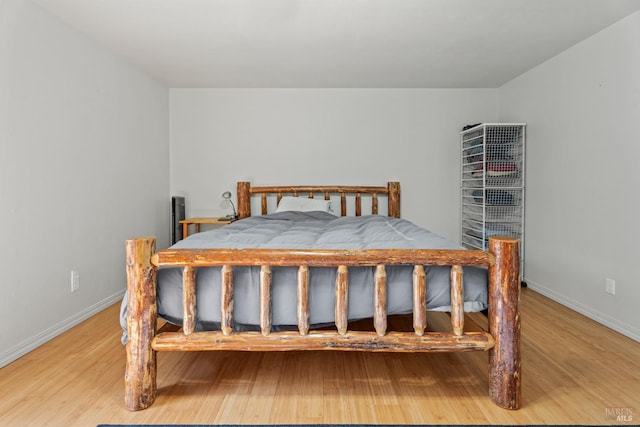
[619, 414]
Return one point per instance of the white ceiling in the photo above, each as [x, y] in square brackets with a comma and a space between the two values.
[338, 43]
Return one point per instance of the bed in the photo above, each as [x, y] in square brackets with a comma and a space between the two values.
[276, 281]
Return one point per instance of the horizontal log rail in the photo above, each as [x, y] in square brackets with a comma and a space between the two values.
[324, 340]
[319, 257]
[301, 189]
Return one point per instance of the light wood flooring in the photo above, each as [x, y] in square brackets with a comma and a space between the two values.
[575, 371]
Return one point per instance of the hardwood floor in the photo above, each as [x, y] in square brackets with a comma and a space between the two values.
[575, 371]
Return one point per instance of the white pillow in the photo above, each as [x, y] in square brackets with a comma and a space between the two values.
[303, 204]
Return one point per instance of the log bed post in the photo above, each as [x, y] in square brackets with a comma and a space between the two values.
[394, 199]
[504, 323]
[140, 373]
[244, 199]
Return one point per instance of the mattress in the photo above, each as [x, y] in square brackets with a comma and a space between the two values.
[312, 230]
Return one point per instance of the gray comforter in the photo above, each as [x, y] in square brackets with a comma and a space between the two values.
[312, 230]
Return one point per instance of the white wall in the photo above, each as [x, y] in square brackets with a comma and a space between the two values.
[84, 161]
[583, 204]
[325, 136]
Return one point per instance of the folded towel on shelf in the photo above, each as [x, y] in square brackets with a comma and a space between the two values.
[501, 169]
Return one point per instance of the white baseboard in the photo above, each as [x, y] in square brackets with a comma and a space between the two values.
[608, 321]
[36, 341]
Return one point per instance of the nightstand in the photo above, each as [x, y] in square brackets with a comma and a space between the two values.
[202, 220]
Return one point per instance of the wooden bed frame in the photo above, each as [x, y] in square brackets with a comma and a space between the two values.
[502, 340]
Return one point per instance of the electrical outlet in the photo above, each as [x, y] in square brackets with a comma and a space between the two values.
[610, 286]
[75, 280]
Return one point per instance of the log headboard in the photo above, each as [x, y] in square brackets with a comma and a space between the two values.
[391, 191]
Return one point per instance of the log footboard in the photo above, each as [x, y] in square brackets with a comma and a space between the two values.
[502, 341]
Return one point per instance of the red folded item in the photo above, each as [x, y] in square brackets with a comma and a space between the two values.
[496, 169]
[502, 167]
